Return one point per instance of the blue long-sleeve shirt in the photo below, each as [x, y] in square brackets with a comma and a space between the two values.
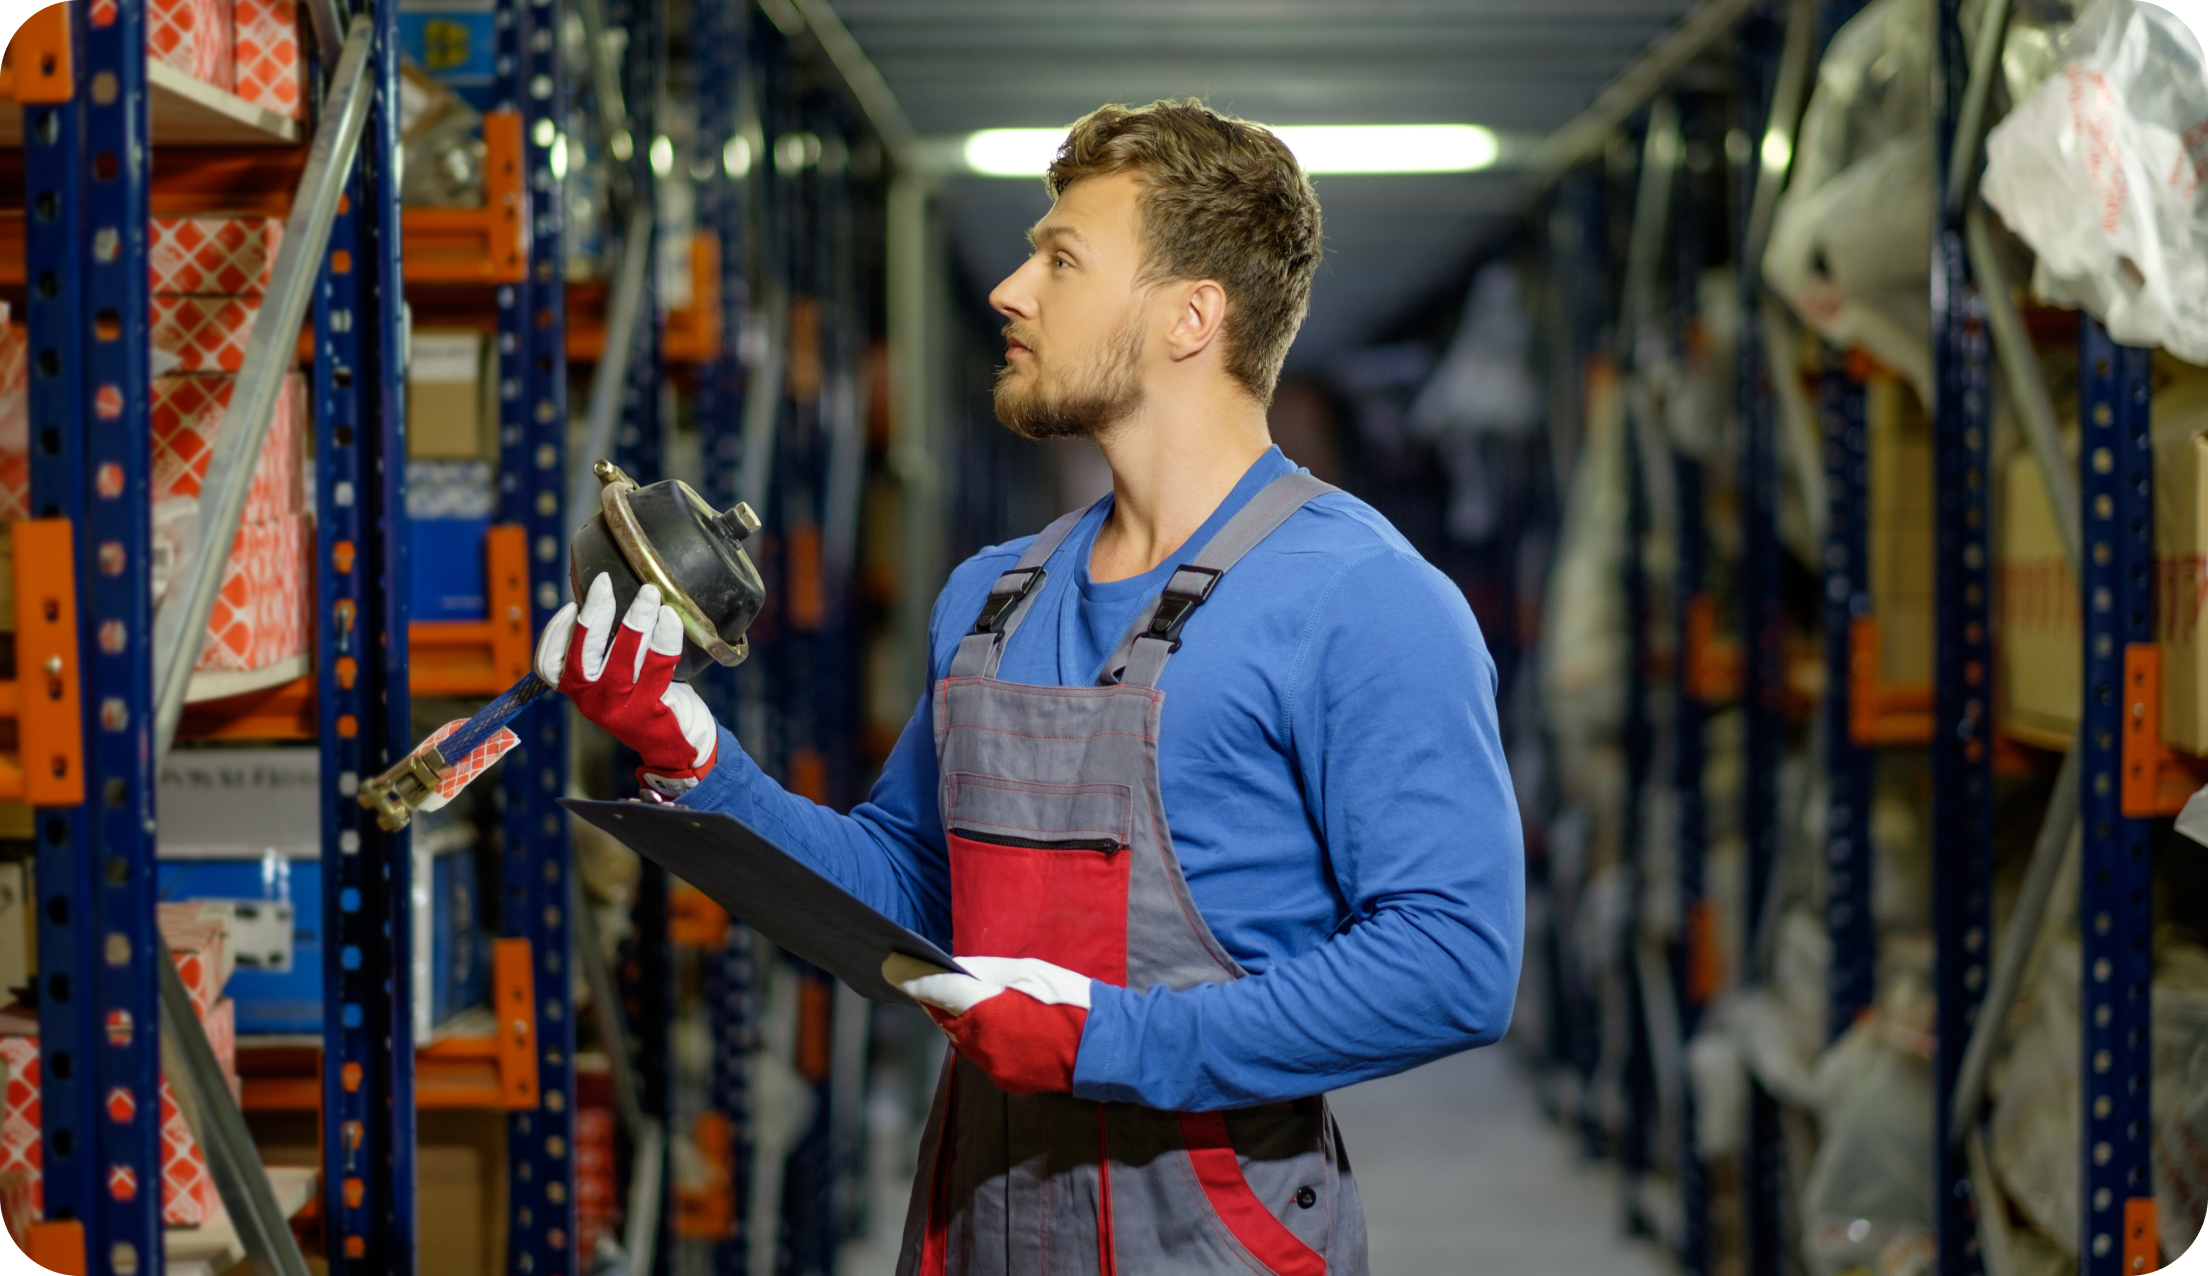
[1333, 779]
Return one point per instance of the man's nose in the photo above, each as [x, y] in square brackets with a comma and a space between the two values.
[1011, 297]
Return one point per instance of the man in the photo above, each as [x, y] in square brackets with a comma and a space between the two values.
[1207, 794]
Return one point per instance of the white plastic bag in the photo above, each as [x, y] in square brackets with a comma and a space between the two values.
[1851, 244]
[1867, 1204]
[2103, 170]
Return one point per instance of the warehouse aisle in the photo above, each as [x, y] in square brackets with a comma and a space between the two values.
[1461, 1175]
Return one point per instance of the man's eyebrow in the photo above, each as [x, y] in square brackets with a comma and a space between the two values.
[1041, 231]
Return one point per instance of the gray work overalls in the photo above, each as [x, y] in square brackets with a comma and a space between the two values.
[1059, 850]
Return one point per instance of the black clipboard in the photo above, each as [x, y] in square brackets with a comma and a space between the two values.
[768, 889]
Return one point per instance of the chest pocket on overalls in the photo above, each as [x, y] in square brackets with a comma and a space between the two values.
[1041, 870]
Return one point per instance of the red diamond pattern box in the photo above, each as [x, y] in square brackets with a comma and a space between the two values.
[260, 614]
[268, 55]
[212, 256]
[193, 36]
[188, 1191]
[187, 416]
[203, 334]
[15, 422]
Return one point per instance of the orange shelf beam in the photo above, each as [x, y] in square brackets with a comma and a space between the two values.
[480, 657]
[487, 245]
[1879, 714]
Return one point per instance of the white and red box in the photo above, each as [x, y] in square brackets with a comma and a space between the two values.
[203, 334]
[260, 615]
[268, 68]
[211, 256]
[187, 417]
[194, 37]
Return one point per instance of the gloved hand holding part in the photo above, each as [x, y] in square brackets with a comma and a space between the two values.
[622, 678]
[1018, 1019]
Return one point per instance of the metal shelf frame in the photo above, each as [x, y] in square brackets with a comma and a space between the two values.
[2116, 884]
[87, 170]
[363, 703]
[536, 864]
[1962, 678]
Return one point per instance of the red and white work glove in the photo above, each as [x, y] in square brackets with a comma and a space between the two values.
[622, 678]
[1016, 1018]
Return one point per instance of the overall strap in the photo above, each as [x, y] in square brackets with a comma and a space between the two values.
[1156, 633]
[980, 651]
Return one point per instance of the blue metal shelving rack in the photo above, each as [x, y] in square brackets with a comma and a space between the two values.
[362, 702]
[730, 986]
[2116, 884]
[1962, 720]
[1848, 765]
[536, 863]
[87, 174]
[1763, 665]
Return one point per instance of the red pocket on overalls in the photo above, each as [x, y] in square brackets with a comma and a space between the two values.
[1064, 902]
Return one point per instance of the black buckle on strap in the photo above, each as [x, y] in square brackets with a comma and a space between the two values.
[1006, 594]
[1176, 604]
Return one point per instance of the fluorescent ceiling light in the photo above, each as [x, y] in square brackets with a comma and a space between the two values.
[1320, 148]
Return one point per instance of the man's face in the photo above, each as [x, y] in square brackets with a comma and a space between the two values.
[1075, 335]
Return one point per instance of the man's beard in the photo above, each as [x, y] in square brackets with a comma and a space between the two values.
[1108, 392]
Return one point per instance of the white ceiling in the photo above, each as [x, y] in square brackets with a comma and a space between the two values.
[1521, 67]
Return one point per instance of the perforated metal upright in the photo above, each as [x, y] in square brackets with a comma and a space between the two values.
[1763, 623]
[1962, 677]
[536, 862]
[1848, 765]
[362, 701]
[2116, 884]
[1695, 616]
[730, 986]
[86, 168]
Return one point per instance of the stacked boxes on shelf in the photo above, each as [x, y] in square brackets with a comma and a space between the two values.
[198, 941]
[449, 491]
[250, 47]
[207, 278]
[241, 834]
[207, 274]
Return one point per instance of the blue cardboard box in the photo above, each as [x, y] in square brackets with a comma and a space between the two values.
[456, 41]
[446, 569]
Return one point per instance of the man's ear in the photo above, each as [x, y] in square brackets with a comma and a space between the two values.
[1199, 315]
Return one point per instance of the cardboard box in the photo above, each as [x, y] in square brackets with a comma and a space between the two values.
[201, 334]
[2040, 652]
[1900, 437]
[449, 414]
[460, 1194]
[199, 945]
[237, 804]
[18, 928]
[448, 506]
[15, 423]
[268, 66]
[2180, 417]
[194, 37]
[211, 256]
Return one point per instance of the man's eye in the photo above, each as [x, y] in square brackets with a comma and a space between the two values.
[1060, 261]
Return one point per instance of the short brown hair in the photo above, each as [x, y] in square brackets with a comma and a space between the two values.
[1222, 199]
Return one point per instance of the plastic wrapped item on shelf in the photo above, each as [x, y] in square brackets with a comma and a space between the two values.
[2101, 171]
[1584, 638]
[1483, 383]
[1867, 1203]
[2034, 1130]
[442, 137]
[1851, 242]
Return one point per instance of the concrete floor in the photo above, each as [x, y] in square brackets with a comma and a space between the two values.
[1461, 1176]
